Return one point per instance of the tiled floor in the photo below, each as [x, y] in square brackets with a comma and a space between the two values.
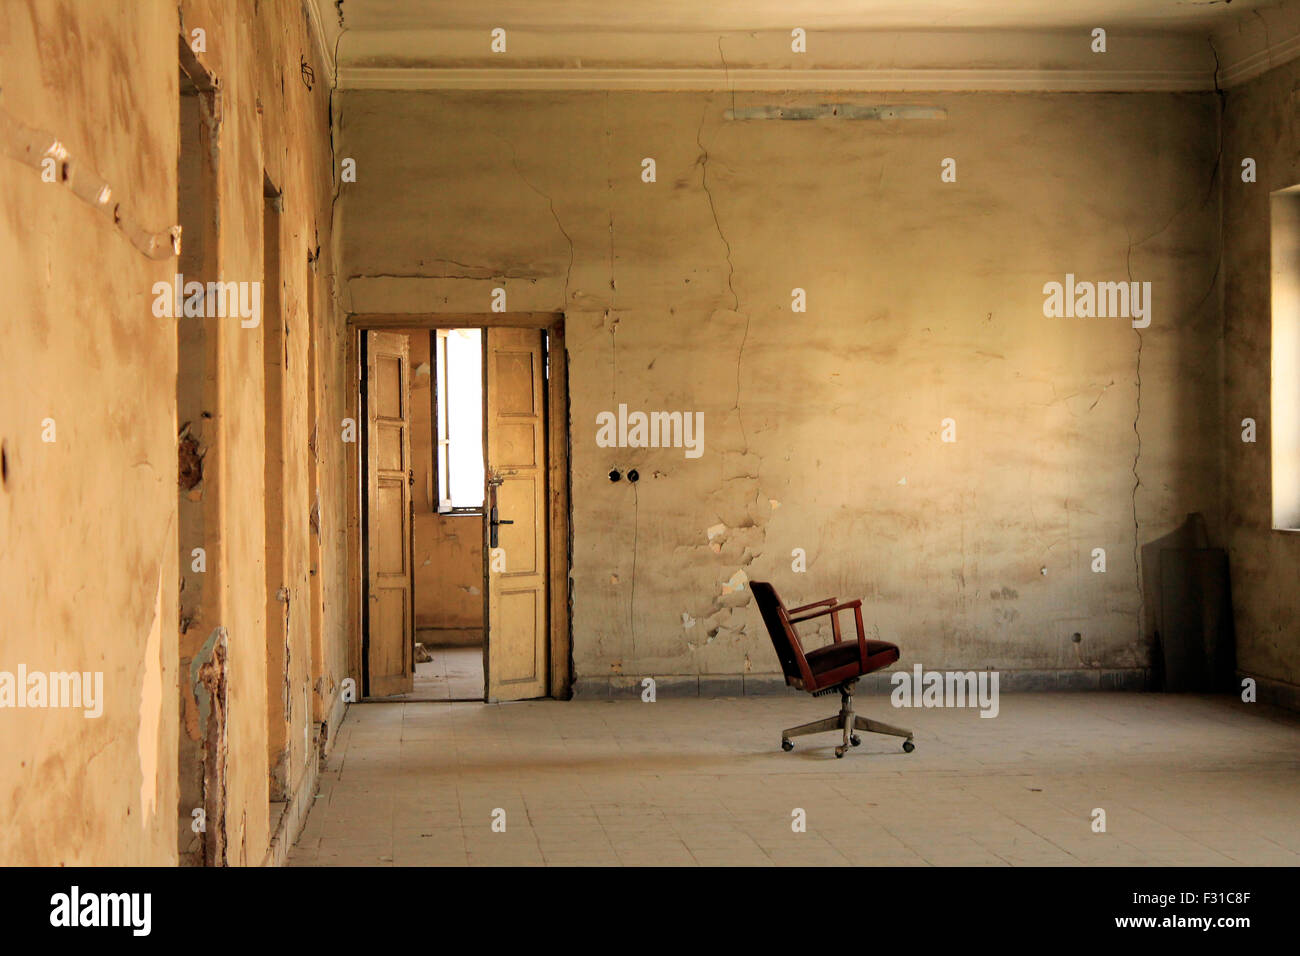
[1182, 780]
[455, 673]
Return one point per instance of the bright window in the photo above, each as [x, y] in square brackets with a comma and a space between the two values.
[458, 378]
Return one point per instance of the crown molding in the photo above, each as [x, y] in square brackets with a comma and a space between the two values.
[1241, 49]
[1259, 63]
[1250, 47]
[319, 13]
[869, 61]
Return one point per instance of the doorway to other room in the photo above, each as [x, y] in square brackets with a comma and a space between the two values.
[463, 510]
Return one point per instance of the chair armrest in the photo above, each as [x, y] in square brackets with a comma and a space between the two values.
[832, 609]
[809, 607]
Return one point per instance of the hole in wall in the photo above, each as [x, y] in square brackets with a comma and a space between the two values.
[4, 465]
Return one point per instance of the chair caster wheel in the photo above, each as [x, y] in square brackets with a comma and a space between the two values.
[787, 745]
[855, 740]
[908, 746]
[839, 752]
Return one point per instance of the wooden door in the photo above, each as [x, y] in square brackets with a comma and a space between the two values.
[516, 654]
[391, 648]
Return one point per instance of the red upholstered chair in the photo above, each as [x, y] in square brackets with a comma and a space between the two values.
[836, 666]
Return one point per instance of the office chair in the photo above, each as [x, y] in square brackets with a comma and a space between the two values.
[836, 666]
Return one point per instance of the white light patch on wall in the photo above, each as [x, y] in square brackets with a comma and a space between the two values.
[1285, 385]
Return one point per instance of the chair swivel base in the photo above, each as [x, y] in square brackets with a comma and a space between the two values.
[846, 721]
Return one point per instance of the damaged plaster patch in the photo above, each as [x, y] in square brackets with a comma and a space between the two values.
[717, 531]
[742, 543]
[205, 656]
[724, 616]
[735, 583]
[738, 539]
[190, 460]
[209, 687]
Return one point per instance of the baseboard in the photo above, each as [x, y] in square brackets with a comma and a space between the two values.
[767, 685]
[293, 815]
[1278, 693]
[449, 636]
[333, 721]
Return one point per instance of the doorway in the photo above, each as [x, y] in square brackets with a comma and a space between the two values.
[462, 537]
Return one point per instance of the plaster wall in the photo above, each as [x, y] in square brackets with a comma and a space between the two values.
[89, 521]
[823, 430]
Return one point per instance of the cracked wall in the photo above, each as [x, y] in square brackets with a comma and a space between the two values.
[823, 428]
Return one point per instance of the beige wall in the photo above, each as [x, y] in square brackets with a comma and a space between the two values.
[448, 548]
[448, 577]
[89, 523]
[1259, 124]
[822, 430]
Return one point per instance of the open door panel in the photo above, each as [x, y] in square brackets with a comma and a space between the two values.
[391, 646]
[516, 658]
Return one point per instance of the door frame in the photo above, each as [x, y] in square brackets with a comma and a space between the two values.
[559, 504]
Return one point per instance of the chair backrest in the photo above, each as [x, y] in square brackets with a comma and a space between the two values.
[784, 639]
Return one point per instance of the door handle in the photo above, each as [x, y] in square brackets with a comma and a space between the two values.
[493, 522]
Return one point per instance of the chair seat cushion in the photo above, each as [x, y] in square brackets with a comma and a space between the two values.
[832, 656]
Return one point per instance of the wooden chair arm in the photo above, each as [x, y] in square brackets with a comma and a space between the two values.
[832, 609]
[809, 607]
